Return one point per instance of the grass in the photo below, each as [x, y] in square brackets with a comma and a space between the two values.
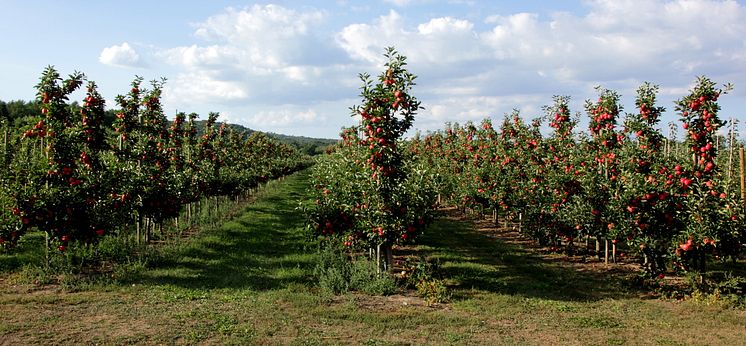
[249, 282]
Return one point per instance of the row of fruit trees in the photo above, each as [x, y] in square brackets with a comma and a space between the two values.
[77, 179]
[622, 182]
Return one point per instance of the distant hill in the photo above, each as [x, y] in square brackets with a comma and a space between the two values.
[308, 145]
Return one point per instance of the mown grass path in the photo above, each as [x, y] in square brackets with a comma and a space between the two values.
[249, 282]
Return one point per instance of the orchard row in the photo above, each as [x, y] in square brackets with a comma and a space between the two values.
[624, 182]
[370, 192]
[75, 178]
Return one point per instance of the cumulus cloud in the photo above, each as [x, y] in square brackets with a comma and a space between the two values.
[402, 3]
[283, 117]
[268, 36]
[120, 55]
[267, 54]
[620, 39]
[618, 44]
[201, 87]
[439, 41]
[468, 66]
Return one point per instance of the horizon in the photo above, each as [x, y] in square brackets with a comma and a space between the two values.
[473, 60]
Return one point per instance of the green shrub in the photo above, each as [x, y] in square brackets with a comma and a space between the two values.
[433, 290]
[364, 277]
[336, 273]
[424, 276]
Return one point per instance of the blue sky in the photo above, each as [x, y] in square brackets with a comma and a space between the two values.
[291, 66]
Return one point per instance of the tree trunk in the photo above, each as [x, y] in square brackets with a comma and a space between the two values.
[598, 248]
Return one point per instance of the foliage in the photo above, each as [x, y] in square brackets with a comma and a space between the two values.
[335, 272]
[626, 184]
[370, 192]
[426, 278]
[77, 176]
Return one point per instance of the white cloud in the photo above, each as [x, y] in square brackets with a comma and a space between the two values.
[262, 54]
[403, 3]
[203, 87]
[617, 44]
[618, 39]
[287, 62]
[122, 56]
[284, 117]
[268, 36]
[439, 41]
[475, 108]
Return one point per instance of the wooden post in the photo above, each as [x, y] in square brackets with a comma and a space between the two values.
[148, 229]
[730, 155]
[613, 252]
[743, 177]
[46, 249]
[606, 252]
[378, 258]
[520, 222]
[5, 143]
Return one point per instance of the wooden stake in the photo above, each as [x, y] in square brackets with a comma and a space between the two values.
[5, 143]
[520, 222]
[730, 156]
[606, 252]
[378, 259]
[46, 248]
[743, 177]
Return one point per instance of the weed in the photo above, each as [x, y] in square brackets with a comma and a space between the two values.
[425, 276]
[433, 290]
[726, 290]
[336, 272]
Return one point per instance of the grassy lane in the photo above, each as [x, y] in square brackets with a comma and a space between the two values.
[520, 298]
[248, 282]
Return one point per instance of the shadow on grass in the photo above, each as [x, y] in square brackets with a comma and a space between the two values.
[475, 262]
[265, 248]
[30, 250]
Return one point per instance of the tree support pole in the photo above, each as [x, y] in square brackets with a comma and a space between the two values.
[743, 177]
